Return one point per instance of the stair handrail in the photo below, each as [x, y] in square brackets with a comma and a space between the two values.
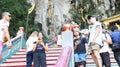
[51, 42]
[18, 42]
[64, 58]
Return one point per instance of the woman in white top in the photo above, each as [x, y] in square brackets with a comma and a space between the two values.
[105, 50]
[30, 42]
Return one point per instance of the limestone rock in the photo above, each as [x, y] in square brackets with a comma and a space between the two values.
[50, 14]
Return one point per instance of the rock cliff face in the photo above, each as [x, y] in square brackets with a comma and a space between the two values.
[52, 13]
[103, 8]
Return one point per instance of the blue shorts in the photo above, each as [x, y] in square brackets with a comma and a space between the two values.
[80, 57]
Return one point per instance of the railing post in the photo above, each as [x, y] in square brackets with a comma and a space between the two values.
[21, 33]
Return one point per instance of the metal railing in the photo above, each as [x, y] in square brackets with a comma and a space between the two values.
[18, 42]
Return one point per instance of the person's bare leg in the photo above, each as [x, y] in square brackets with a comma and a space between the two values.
[1, 47]
[94, 59]
[81, 66]
[97, 58]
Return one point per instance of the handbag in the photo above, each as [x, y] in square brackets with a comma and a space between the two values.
[116, 46]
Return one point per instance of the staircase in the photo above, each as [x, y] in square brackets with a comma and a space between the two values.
[90, 62]
[19, 59]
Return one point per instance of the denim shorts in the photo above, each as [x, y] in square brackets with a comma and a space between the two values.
[80, 57]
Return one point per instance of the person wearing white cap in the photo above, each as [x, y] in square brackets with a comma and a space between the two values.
[4, 32]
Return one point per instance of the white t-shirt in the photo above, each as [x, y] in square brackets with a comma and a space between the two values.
[105, 47]
[30, 42]
[3, 23]
[98, 40]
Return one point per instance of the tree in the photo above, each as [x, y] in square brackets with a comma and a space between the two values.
[19, 11]
[80, 10]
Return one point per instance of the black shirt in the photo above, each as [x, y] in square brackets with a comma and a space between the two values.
[81, 47]
[40, 48]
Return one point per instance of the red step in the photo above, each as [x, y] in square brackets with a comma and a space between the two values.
[19, 59]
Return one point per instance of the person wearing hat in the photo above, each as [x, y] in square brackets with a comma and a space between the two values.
[4, 32]
[95, 40]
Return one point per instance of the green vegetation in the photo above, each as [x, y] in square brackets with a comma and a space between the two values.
[80, 11]
[18, 10]
[82, 8]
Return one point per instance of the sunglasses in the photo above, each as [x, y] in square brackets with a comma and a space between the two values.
[9, 15]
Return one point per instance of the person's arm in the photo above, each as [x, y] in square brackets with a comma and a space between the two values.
[108, 39]
[86, 47]
[97, 31]
[76, 44]
[34, 47]
[45, 46]
[75, 47]
[7, 35]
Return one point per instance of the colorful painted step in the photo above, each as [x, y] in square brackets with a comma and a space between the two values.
[19, 58]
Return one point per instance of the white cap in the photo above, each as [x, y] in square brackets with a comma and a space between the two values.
[5, 13]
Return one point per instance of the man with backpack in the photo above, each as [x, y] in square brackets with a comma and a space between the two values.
[115, 36]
